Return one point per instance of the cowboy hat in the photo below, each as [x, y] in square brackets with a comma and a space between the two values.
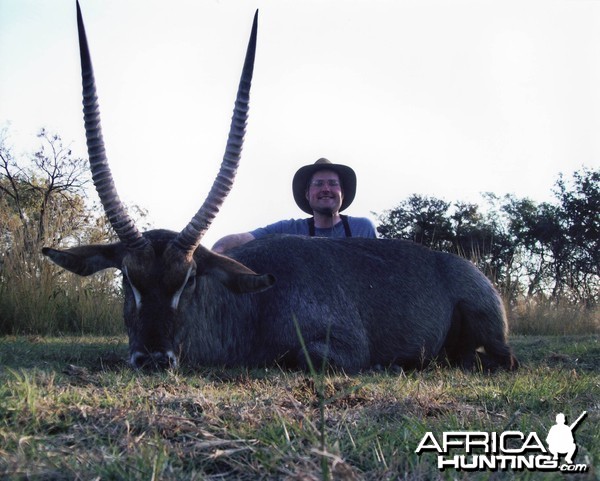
[304, 174]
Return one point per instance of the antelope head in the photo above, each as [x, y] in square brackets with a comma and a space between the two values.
[160, 268]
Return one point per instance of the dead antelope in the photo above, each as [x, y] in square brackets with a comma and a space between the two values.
[357, 303]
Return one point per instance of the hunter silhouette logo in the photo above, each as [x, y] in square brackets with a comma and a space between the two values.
[560, 438]
[514, 450]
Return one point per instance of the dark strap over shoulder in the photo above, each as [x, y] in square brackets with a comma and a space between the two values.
[346, 225]
[311, 226]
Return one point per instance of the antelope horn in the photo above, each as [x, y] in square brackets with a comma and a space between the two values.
[120, 221]
[189, 238]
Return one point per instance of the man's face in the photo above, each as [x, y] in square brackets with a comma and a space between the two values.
[324, 193]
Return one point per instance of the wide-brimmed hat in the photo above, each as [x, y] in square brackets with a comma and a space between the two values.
[304, 174]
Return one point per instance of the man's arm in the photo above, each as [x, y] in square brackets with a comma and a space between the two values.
[362, 227]
[230, 241]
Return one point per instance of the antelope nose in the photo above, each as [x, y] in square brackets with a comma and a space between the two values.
[153, 360]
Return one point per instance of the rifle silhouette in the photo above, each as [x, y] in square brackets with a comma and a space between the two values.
[577, 420]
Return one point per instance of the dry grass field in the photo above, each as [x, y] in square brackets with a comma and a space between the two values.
[72, 409]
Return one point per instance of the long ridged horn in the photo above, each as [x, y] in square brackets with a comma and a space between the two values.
[120, 221]
[190, 236]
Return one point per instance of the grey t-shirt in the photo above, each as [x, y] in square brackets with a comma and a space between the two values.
[359, 227]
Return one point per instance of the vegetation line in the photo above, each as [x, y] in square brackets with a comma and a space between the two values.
[544, 258]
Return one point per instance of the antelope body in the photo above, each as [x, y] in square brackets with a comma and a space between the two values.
[354, 303]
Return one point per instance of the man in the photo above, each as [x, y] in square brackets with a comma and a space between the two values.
[560, 438]
[323, 190]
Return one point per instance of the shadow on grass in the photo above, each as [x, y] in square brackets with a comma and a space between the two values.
[54, 353]
[572, 352]
[110, 353]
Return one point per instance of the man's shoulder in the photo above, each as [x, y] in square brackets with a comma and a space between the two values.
[287, 226]
[359, 220]
[362, 227]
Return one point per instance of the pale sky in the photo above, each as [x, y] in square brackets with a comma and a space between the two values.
[437, 97]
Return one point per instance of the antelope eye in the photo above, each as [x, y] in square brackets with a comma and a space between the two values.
[191, 281]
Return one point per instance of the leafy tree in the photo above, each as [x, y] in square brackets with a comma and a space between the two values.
[46, 194]
[43, 202]
[458, 228]
[479, 236]
[580, 226]
[529, 249]
[421, 219]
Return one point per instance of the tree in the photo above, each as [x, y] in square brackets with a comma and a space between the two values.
[47, 197]
[421, 219]
[580, 224]
[481, 236]
[43, 202]
[529, 249]
[459, 228]
[535, 234]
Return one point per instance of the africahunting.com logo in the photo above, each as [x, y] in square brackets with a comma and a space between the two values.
[509, 450]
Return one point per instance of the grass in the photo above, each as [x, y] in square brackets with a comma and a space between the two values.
[71, 408]
[543, 316]
[38, 297]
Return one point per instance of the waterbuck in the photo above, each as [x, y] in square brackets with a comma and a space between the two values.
[350, 303]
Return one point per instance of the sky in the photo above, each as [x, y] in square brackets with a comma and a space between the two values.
[445, 98]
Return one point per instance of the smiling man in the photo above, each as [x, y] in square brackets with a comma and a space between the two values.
[323, 190]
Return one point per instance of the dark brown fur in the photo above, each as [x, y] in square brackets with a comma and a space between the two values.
[358, 303]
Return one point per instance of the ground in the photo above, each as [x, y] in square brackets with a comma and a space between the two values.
[71, 408]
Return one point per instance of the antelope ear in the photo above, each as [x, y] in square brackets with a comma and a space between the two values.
[86, 260]
[232, 274]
